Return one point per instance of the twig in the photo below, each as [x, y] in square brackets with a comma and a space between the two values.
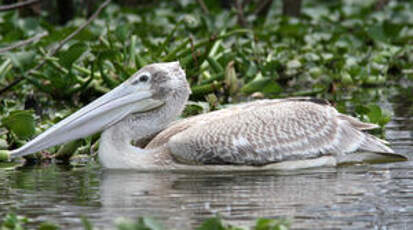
[61, 44]
[54, 51]
[203, 6]
[194, 56]
[23, 43]
[18, 5]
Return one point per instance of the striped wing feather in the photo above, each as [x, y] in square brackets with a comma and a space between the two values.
[264, 132]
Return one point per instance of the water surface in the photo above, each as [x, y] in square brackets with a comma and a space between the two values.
[352, 197]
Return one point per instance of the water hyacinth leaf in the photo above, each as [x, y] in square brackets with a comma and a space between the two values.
[3, 144]
[392, 30]
[29, 26]
[271, 224]
[143, 223]
[294, 64]
[48, 226]
[265, 85]
[23, 60]
[87, 35]
[4, 155]
[86, 224]
[13, 221]
[212, 224]
[376, 115]
[377, 33]
[252, 70]
[68, 57]
[152, 223]
[194, 108]
[346, 78]
[361, 109]
[21, 123]
[122, 32]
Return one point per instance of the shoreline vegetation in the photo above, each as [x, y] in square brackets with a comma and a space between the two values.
[14, 222]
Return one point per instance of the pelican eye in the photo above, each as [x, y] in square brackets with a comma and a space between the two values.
[144, 78]
[141, 78]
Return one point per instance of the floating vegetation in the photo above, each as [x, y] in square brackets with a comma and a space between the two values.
[341, 51]
[14, 222]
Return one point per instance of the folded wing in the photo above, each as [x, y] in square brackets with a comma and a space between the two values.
[268, 131]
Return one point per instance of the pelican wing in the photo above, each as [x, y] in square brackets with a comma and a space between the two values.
[267, 131]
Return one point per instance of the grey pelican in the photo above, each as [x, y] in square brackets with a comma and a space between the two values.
[260, 135]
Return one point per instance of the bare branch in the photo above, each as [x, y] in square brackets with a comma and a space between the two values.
[61, 44]
[23, 43]
[54, 51]
[18, 5]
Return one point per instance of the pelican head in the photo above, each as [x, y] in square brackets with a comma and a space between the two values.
[151, 88]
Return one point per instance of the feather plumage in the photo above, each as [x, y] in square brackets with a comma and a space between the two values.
[266, 131]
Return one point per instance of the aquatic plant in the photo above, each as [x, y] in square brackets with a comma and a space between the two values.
[13, 222]
[341, 51]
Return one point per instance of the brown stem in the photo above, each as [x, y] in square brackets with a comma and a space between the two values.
[61, 44]
[18, 5]
[23, 43]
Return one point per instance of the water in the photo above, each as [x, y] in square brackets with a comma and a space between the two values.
[353, 197]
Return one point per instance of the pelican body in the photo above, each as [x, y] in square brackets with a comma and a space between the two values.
[140, 130]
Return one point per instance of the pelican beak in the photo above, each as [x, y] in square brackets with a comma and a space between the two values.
[98, 115]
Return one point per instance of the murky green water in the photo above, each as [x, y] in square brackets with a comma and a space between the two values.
[354, 197]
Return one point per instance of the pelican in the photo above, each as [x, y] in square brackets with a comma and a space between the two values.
[140, 131]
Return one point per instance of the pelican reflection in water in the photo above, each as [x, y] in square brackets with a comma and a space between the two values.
[260, 135]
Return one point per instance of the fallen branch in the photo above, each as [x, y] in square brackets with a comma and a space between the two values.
[54, 51]
[23, 43]
[18, 5]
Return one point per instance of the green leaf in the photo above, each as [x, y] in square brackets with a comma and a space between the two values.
[23, 60]
[86, 224]
[212, 224]
[4, 155]
[265, 85]
[271, 224]
[122, 32]
[68, 57]
[13, 221]
[192, 108]
[48, 226]
[392, 30]
[21, 123]
[152, 224]
[374, 113]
